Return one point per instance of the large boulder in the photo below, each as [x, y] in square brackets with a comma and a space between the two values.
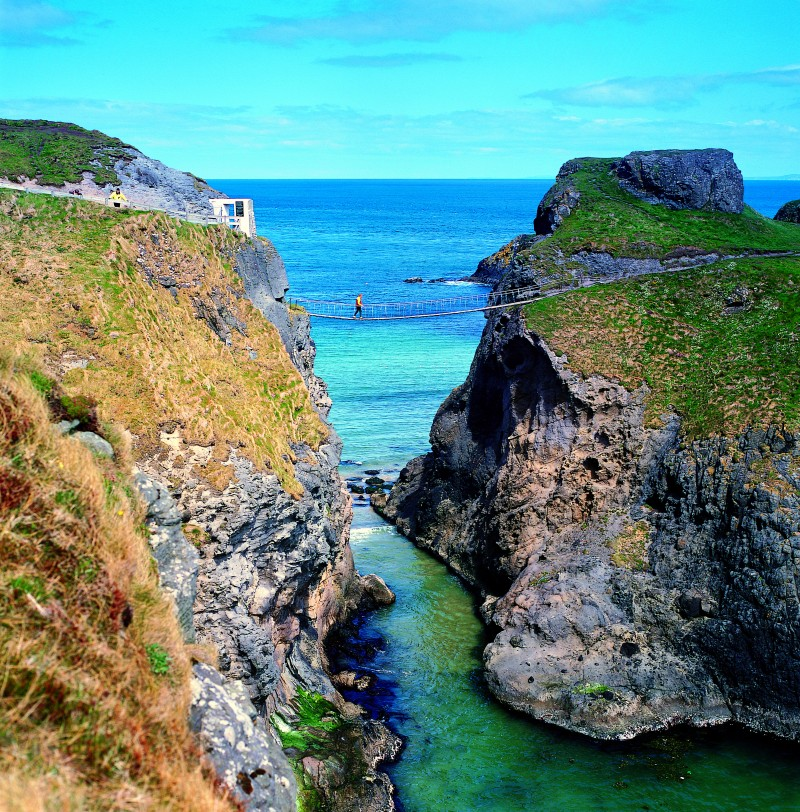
[789, 212]
[706, 179]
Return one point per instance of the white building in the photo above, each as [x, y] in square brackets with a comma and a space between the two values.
[235, 212]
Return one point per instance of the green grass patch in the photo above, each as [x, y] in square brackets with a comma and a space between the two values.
[612, 220]
[160, 661]
[30, 585]
[591, 688]
[720, 369]
[55, 153]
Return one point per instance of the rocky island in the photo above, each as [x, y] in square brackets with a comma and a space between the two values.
[619, 475]
[175, 534]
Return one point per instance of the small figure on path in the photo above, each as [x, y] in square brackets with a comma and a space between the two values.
[117, 197]
[358, 313]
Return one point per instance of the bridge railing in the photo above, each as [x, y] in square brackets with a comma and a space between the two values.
[547, 285]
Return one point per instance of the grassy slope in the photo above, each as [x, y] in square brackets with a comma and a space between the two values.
[94, 677]
[71, 289]
[720, 372]
[55, 153]
[613, 221]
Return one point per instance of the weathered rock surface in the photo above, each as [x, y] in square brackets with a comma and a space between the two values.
[176, 559]
[146, 180]
[638, 581]
[248, 760]
[559, 201]
[275, 572]
[706, 179]
[789, 212]
[491, 269]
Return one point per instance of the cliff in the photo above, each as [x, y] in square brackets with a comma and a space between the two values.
[638, 214]
[138, 322]
[618, 476]
[56, 154]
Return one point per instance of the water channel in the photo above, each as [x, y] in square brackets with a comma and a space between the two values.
[464, 752]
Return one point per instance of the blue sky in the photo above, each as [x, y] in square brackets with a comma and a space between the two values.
[411, 88]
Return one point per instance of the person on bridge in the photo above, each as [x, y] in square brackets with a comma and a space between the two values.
[358, 313]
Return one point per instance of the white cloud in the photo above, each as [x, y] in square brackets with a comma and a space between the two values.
[421, 20]
[662, 91]
[24, 24]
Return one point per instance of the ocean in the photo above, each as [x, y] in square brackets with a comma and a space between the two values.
[464, 752]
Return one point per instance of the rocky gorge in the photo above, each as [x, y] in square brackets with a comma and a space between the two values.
[186, 343]
[274, 576]
[630, 524]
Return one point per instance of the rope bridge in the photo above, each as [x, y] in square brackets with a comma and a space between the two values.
[420, 309]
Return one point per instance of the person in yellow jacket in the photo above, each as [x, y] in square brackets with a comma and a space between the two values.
[117, 197]
[358, 312]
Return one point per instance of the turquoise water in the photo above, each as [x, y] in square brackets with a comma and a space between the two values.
[464, 752]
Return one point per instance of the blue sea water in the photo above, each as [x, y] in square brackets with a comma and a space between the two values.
[464, 752]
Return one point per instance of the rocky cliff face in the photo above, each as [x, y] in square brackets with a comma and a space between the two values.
[704, 179]
[275, 571]
[635, 580]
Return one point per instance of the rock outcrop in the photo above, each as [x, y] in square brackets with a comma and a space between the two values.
[706, 179]
[789, 212]
[559, 201]
[636, 580]
[247, 758]
[275, 572]
[70, 158]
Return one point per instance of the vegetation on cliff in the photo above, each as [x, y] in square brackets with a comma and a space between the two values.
[54, 153]
[117, 306]
[603, 217]
[718, 345]
[94, 676]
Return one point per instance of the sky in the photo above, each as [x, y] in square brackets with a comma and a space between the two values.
[411, 88]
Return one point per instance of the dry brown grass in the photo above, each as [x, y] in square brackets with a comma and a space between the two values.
[73, 289]
[85, 723]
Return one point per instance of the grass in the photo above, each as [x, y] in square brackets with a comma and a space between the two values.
[87, 718]
[629, 548]
[720, 371]
[610, 219]
[591, 689]
[73, 289]
[55, 153]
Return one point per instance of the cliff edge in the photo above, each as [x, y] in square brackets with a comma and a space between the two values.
[618, 475]
[168, 347]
